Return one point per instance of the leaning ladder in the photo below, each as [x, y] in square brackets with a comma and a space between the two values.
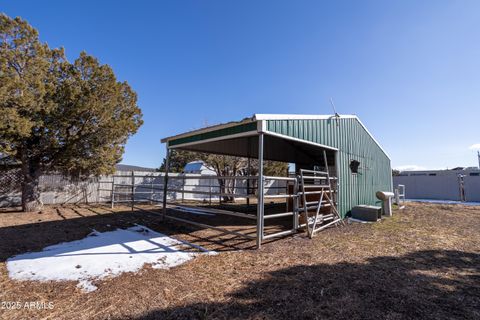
[318, 184]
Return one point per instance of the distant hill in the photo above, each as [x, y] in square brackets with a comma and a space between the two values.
[126, 167]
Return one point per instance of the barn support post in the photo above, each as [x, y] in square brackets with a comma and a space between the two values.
[249, 169]
[248, 180]
[165, 182]
[260, 207]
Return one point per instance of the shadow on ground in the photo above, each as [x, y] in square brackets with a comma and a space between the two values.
[438, 284]
[421, 285]
[76, 222]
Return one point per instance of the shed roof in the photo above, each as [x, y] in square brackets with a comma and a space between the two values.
[250, 127]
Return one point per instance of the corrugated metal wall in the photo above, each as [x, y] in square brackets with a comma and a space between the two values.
[354, 143]
[430, 187]
[439, 187]
[472, 188]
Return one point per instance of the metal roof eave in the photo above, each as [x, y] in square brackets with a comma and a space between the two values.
[208, 129]
[226, 137]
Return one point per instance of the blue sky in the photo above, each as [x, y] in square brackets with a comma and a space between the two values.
[409, 69]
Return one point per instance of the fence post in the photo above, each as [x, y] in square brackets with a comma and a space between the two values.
[112, 201]
[220, 190]
[295, 204]
[165, 182]
[151, 190]
[210, 192]
[133, 189]
[183, 188]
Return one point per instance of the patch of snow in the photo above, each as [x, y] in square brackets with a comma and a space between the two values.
[102, 255]
[86, 286]
[444, 202]
[360, 221]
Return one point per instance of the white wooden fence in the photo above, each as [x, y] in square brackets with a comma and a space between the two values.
[146, 186]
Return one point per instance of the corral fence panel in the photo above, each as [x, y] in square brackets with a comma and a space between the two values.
[147, 186]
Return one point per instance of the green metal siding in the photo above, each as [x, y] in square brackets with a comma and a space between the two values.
[252, 126]
[353, 143]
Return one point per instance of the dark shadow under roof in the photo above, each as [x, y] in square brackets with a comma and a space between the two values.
[275, 148]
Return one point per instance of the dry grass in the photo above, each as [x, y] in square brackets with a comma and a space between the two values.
[422, 263]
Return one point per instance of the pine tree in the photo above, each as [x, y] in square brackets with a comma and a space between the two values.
[72, 118]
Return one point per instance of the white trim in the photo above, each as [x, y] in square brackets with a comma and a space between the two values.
[298, 116]
[231, 136]
[208, 129]
[270, 133]
[261, 126]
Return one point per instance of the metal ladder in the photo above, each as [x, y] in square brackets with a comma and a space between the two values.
[320, 182]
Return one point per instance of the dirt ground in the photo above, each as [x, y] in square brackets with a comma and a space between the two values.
[423, 263]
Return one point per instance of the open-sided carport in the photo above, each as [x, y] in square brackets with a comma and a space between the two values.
[327, 148]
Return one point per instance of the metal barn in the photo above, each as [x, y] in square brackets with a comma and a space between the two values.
[338, 165]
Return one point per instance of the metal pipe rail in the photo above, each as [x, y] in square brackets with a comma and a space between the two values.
[319, 178]
[210, 193]
[219, 211]
[278, 215]
[279, 234]
[315, 172]
[279, 196]
[207, 226]
[148, 189]
[187, 177]
[234, 195]
[190, 191]
[313, 192]
[279, 178]
[136, 192]
[215, 177]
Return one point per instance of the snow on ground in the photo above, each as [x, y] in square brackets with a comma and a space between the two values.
[444, 202]
[101, 255]
[360, 221]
